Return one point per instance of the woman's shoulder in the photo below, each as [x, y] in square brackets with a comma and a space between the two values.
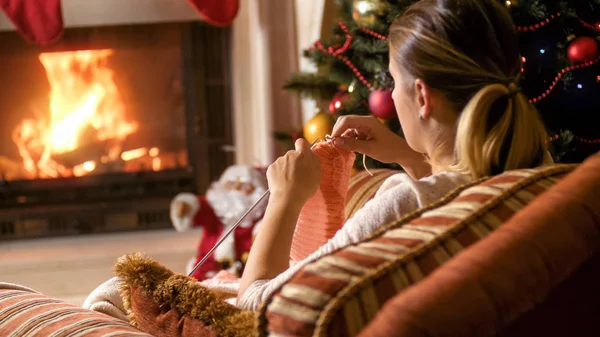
[433, 186]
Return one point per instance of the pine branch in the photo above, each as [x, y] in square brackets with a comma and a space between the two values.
[340, 72]
[353, 106]
[317, 57]
[369, 45]
[372, 65]
[313, 85]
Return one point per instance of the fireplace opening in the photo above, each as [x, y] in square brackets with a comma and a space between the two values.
[100, 130]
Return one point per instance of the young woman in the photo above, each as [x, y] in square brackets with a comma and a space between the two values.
[456, 68]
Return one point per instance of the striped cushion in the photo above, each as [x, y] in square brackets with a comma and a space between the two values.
[340, 293]
[24, 312]
[362, 188]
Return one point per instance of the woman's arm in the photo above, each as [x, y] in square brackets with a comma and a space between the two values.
[366, 135]
[293, 179]
[270, 253]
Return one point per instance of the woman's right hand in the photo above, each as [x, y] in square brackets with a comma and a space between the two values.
[296, 176]
[366, 135]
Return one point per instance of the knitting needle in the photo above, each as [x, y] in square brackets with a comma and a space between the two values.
[212, 250]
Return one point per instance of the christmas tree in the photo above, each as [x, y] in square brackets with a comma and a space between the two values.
[561, 74]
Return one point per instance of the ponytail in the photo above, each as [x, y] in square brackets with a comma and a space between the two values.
[490, 140]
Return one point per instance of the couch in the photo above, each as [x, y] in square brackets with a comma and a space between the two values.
[513, 255]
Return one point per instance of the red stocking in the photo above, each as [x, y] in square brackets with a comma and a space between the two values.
[217, 12]
[38, 21]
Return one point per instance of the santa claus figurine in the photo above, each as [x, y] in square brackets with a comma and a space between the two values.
[227, 199]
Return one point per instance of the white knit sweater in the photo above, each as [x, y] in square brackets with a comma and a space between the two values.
[397, 196]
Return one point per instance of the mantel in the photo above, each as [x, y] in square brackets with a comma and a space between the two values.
[85, 13]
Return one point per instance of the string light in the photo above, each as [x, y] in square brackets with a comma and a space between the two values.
[594, 27]
[534, 27]
[588, 141]
[560, 75]
[580, 139]
[538, 25]
[372, 33]
[551, 139]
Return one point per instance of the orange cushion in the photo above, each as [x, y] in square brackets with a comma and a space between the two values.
[27, 313]
[494, 282]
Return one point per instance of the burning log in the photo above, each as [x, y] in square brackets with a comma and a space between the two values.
[82, 154]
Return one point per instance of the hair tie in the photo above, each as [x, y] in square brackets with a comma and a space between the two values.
[513, 89]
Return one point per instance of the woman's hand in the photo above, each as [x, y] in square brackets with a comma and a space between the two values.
[293, 179]
[366, 135]
[296, 175]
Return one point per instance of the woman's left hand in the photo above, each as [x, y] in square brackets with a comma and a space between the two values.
[296, 175]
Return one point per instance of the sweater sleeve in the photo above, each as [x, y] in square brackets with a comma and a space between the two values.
[406, 195]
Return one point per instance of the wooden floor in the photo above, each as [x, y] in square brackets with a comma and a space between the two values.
[70, 268]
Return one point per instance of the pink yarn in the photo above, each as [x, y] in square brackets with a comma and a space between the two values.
[323, 214]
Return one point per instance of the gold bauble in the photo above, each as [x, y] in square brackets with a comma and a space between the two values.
[318, 127]
[366, 12]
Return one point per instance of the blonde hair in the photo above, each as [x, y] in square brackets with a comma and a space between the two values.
[468, 51]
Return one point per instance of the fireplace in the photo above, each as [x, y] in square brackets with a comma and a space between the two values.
[101, 129]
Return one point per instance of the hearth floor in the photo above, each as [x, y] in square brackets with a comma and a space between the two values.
[70, 268]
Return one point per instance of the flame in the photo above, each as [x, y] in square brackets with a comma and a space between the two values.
[89, 165]
[133, 154]
[85, 168]
[85, 107]
[156, 164]
[153, 152]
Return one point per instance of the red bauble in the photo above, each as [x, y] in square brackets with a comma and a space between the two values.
[337, 101]
[218, 13]
[381, 104]
[582, 49]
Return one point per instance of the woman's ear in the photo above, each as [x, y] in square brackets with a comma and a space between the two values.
[424, 98]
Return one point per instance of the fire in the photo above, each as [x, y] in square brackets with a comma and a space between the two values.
[85, 111]
[133, 154]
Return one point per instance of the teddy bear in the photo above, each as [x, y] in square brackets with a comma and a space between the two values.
[223, 204]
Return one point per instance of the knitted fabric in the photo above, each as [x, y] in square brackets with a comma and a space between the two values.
[323, 214]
